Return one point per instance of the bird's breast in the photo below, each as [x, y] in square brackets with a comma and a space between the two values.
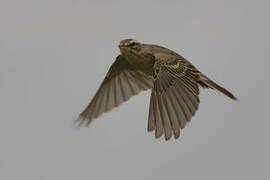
[141, 63]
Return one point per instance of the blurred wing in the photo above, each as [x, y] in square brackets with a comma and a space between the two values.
[121, 82]
[174, 99]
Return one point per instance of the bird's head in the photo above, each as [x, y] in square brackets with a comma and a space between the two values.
[130, 47]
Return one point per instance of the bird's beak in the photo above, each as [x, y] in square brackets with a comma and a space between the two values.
[121, 46]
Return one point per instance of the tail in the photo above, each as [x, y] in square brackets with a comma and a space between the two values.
[206, 82]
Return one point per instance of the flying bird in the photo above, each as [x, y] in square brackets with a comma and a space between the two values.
[173, 80]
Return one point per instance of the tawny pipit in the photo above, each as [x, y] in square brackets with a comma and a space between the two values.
[174, 82]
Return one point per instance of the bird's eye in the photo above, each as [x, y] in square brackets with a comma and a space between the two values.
[133, 45]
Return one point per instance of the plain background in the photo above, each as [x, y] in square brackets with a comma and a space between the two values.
[55, 53]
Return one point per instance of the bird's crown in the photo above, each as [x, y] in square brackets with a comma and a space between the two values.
[128, 43]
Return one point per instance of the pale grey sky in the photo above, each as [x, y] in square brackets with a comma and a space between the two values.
[54, 54]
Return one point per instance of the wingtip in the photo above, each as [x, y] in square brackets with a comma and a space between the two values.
[82, 121]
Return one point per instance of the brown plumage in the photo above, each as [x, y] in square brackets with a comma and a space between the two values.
[174, 82]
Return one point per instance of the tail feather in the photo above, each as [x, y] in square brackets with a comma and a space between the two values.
[213, 85]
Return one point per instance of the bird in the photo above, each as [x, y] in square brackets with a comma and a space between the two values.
[174, 83]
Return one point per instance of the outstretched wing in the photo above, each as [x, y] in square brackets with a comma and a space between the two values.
[174, 97]
[121, 82]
